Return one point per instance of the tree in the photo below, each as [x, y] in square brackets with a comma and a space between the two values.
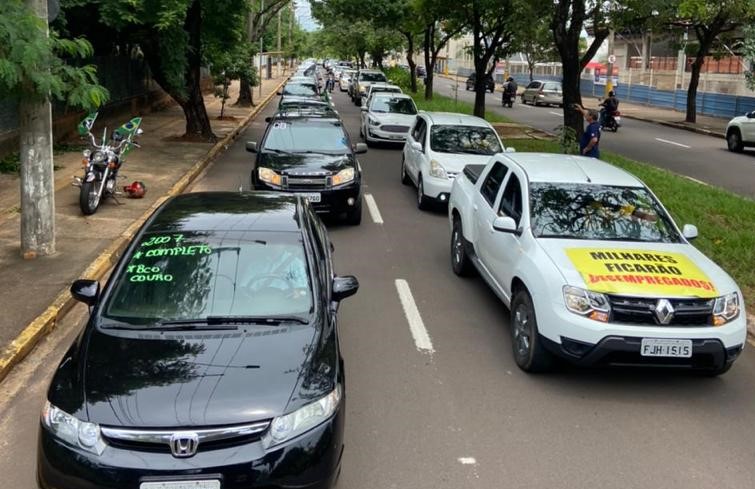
[748, 54]
[535, 41]
[711, 21]
[34, 68]
[227, 65]
[441, 23]
[491, 23]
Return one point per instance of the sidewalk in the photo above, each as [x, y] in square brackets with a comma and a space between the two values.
[711, 126]
[162, 163]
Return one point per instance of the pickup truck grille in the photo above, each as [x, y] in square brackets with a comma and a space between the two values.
[637, 310]
[390, 128]
[305, 183]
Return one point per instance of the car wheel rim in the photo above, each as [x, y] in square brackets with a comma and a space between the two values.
[457, 247]
[522, 339]
[733, 141]
[420, 191]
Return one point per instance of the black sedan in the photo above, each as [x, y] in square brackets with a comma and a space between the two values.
[211, 357]
[472, 80]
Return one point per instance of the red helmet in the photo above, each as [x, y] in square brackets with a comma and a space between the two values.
[136, 190]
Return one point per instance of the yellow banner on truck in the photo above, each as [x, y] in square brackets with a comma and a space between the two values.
[640, 272]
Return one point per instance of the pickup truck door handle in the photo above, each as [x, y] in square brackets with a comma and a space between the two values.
[474, 207]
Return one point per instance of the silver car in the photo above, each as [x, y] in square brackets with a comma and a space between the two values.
[540, 92]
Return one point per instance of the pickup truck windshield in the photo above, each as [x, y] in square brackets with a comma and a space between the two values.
[598, 212]
[306, 135]
[464, 139]
[196, 275]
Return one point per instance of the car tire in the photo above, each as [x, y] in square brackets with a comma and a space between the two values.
[529, 353]
[354, 217]
[734, 141]
[460, 263]
[404, 176]
[423, 201]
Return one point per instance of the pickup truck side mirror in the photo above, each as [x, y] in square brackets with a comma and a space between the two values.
[689, 231]
[364, 108]
[416, 146]
[510, 149]
[360, 148]
[251, 146]
[504, 224]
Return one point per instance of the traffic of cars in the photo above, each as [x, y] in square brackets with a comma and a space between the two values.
[241, 286]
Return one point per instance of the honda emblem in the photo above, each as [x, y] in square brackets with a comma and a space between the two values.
[184, 444]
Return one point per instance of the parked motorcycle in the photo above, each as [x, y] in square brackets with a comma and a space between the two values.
[611, 122]
[102, 161]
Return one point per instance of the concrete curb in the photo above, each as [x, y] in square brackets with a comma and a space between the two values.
[43, 324]
[677, 125]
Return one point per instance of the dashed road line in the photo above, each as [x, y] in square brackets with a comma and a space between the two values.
[467, 460]
[672, 142]
[416, 325]
[373, 209]
[556, 113]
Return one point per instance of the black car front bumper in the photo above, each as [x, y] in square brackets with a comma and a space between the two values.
[333, 201]
[310, 461]
[624, 351]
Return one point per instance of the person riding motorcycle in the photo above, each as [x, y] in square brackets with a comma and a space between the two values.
[509, 90]
[610, 107]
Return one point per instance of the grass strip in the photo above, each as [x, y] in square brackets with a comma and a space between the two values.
[442, 103]
[726, 221]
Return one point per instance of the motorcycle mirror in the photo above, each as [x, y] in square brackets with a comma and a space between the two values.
[139, 131]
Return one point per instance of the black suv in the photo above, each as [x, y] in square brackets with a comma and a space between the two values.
[489, 83]
[211, 356]
[309, 153]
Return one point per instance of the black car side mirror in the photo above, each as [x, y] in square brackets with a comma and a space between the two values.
[268, 119]
[86, 291]
[344, 287]
[251, 146]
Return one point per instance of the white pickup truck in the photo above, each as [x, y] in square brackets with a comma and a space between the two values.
[591, 266]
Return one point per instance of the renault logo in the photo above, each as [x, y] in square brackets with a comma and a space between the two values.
[664, 311]
[184, 444]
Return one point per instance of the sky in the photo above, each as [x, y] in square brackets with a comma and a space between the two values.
[304, 15]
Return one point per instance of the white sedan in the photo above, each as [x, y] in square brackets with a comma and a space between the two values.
[387, 117]
[439, 146]
[592, 266]
[740, 132]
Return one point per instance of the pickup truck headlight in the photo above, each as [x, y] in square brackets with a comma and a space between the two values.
[344, 176]
[593, 305]
[725, 309]
[71, 430]
[373, 122]
[291, 425]
[269, 176]
[436, 170]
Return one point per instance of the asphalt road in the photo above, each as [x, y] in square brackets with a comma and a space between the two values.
[460, 414]
[698, 156]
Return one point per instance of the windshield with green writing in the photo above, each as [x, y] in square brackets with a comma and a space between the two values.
[599, 212]
[196, 275]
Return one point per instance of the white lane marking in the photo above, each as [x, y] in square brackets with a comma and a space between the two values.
[467, 460]
[696, 180]
[522, 104]
[373, 208]
[672, 142]
[416, 326]
[556, 113]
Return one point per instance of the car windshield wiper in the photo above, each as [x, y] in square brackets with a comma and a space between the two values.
[228, 322]
[333, 152]
[277, 151]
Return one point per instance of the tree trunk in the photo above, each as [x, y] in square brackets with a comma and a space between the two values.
[572, 94]
[37, 179]
[479, 90]
[246, 97]
[705, 44]
[197, 122]
[410, 60]
[427, 48]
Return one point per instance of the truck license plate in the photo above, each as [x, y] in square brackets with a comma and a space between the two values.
[657, 347]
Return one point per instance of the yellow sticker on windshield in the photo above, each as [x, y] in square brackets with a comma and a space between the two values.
[638, 272]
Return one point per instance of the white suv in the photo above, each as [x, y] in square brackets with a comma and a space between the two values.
[740, 132]
[439, 146]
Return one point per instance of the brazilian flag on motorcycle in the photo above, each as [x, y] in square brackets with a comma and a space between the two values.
[127, 131]
[86, 124]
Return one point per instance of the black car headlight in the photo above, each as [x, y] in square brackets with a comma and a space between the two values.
[291, 425]
[269, 176]
[344, 176]
[73, 431]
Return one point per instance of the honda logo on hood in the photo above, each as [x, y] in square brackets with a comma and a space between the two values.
[184, 444]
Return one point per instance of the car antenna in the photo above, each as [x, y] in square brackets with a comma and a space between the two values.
[583, 172]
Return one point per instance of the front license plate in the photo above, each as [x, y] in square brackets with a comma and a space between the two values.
[206, 484]
[657, 347]
[312, 197]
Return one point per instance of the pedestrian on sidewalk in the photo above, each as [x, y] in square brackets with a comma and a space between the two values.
[588, 144]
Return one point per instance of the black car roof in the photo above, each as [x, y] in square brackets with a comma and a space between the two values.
[227, 211]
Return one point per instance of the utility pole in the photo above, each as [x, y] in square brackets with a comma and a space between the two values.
[291, 34]
[37, 178]
[279, 43]
[262, 38]
[611, 60]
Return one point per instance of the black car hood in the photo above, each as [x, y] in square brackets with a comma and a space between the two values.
[194, 378]
[305, 163]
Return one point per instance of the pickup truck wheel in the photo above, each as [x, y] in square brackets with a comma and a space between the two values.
[459, 259]
[423, 202]
[529, 353]
[734, 141]
[404, 176]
